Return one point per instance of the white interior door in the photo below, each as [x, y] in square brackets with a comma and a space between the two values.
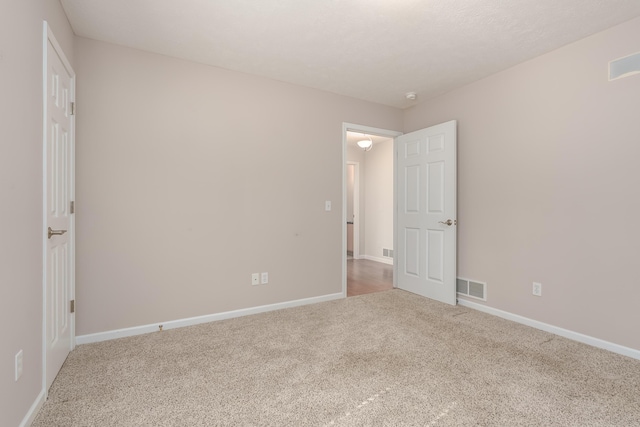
[59, 225]
[426, 212]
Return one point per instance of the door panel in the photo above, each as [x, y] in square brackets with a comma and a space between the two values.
[426, 179]
[435, 261]
[412, 198]
[435, 191]
[58, 173]
[412, 245]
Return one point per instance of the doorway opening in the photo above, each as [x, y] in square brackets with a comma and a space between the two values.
[368, 213]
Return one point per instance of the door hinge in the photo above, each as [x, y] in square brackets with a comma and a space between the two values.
[72, 207]
[73, 108]
[72, 306]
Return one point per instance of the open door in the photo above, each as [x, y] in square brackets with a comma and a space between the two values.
[426, 212]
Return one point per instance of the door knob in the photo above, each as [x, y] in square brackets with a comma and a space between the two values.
[55, 232]
[447, 222]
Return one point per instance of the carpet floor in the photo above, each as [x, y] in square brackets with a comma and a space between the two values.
[385, 359]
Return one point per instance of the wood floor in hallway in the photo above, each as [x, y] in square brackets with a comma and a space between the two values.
[365, 276]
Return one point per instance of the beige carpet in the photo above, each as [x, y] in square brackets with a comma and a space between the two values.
[384, 359]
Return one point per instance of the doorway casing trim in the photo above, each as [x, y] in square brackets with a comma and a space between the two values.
[356, 208]
[370, 131]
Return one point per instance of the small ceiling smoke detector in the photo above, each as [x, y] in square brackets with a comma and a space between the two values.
[411, 96]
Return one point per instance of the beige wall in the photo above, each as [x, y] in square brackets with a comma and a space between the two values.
[190, 178]
[548, 186]
[21, 192]
[21, 183]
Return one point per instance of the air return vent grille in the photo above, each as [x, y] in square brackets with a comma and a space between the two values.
[624, 67]
[471, 288]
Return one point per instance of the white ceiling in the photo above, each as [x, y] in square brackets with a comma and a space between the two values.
[376, 50]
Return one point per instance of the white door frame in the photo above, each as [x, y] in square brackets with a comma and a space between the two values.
[370, 131]
[48, 37]
[356, 209]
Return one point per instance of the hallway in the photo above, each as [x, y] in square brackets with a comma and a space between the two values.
[364, 277]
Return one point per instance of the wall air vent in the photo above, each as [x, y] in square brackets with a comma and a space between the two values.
[462, 286]
[471, 288]
[624, 67]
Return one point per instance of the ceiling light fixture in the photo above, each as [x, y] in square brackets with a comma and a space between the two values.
[365, 144]
[411, 96]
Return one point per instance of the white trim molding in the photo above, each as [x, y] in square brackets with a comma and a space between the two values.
[180, 323]
[33, 410]
[356, 221]
[576, 336]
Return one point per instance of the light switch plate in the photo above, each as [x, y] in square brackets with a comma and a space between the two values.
[327, 205]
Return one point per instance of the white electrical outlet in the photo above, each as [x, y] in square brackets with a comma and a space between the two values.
[265, 278]
[18, 365]
[255, 279]
[537, 289]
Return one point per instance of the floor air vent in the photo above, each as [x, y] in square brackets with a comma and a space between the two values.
[471, 288]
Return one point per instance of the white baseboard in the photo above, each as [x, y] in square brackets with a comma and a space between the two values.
[378, 259]
[576, 336]
[180, 323]
[33, 411]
